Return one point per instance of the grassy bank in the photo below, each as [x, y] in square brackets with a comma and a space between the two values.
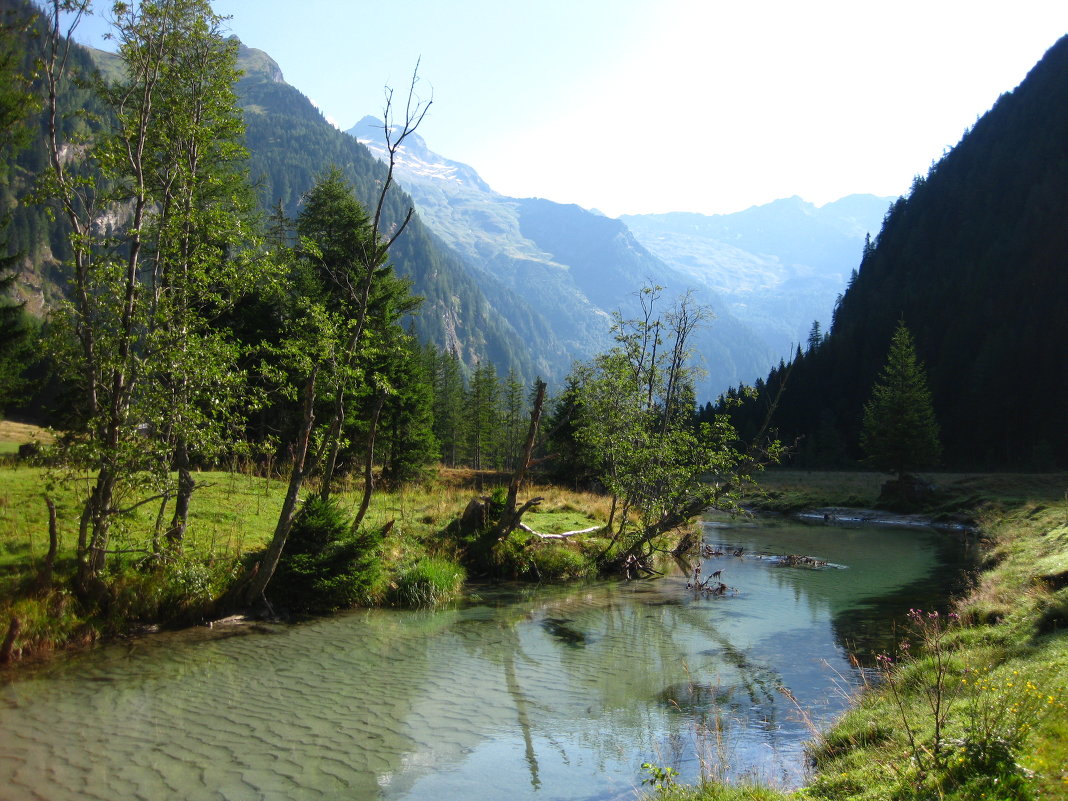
[417, 563]
[969, 707]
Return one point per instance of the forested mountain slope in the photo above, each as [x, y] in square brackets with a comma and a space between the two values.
[290, 145]
[975, 262]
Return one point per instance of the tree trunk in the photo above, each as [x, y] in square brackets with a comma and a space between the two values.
[44, 576]
[9, 641]
[662, 526]
[509, 517]
[186, 485]
[333, 439]
[97, 519]
[250, 588]
[369, 461]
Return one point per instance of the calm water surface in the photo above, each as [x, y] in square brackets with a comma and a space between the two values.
[547, 693]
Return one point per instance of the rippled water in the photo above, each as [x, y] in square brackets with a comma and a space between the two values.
[552, 692]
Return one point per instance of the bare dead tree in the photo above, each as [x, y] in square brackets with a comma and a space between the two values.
[510, 516]
[251, 589]
[378, 247]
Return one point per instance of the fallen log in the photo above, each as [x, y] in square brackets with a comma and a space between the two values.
[562, 536]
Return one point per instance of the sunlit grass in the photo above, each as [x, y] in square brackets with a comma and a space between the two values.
[232, 517]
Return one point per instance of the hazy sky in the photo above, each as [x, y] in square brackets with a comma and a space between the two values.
[636, 106]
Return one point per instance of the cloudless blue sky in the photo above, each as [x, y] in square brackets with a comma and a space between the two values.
[635, 106]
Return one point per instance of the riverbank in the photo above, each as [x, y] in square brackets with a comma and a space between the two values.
[971, 706]
[577, 684]
[232, 519]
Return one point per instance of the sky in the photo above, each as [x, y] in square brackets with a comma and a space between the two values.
[651, 106]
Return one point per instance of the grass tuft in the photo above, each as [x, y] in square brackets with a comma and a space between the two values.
[429, 582]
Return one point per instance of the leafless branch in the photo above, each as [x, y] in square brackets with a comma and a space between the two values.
[415, 110]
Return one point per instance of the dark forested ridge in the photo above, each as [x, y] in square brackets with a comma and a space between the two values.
[975, 262]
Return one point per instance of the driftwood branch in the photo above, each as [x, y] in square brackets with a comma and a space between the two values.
[561, 536]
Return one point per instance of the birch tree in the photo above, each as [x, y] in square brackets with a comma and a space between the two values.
[158, 207]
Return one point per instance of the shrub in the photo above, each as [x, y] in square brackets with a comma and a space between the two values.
[559, 562]
[178, 590]
[326, 566]
[965, 726]
[520, 556]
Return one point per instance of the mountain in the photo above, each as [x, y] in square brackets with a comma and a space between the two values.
[778, 266]
[975, 262]
[525, 283]
[574, 266]
[767, 272]
[291, 144]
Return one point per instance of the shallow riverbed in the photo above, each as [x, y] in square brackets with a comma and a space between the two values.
[520, 692]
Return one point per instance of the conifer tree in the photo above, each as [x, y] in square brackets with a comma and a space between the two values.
[814, 336]
[483, 417]
[448, 404]
[408, 442]
[900, 432]
[513, 425]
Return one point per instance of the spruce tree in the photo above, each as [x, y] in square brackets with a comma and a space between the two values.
[408, 442]
[448, 403]
[900, 432]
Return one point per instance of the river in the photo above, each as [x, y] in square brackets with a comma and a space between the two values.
[552, 692]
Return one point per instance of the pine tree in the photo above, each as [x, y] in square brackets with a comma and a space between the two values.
[900, 432]
[448, 403]
[513, 420]
[408, 442]
[814, 336]
[483, 417]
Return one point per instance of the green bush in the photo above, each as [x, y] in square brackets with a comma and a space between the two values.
[325, 565]
[520, 556]
[428, 582]
[178, 590]
[558, 562]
